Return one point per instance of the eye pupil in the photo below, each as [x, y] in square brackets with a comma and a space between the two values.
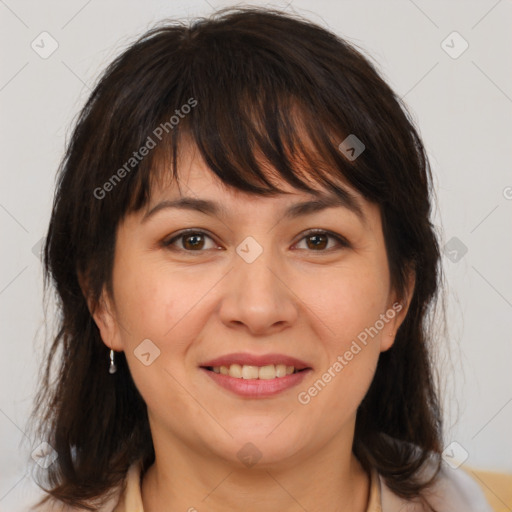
[318, 243]
[196, 244]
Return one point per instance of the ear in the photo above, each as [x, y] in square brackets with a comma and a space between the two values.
[105, 318]
[396, 312]
[103, 313]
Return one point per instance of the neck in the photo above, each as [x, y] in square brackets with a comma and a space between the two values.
[191, 481]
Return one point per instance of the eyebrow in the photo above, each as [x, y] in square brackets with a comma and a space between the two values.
[319, 203]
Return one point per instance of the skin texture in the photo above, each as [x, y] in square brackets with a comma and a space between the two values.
[294, 299]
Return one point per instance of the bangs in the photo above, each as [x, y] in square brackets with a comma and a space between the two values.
[250, 145]
[255, 119]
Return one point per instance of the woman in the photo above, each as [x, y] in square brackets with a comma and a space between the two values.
[242, 249]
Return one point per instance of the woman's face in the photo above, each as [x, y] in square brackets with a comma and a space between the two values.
[252, 289]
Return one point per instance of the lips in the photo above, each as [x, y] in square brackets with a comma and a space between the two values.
[265, 386]
[256, 376]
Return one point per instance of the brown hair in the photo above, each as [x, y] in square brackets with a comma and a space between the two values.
[251, 77]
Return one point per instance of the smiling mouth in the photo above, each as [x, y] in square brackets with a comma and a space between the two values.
[250, 372]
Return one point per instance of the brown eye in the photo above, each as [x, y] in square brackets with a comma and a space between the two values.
[193, 242]
[189, 241]
[319, 241]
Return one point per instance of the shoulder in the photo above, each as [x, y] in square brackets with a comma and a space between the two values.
[458, 487]
[453, 490]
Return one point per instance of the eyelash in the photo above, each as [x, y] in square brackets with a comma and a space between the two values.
[343, 243]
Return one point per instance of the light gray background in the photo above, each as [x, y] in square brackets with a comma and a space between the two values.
[463, 107]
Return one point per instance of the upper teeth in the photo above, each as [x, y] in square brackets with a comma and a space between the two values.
[270, 371]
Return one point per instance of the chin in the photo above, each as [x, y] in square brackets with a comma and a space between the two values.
[257, 448]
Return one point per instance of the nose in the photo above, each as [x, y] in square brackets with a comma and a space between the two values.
[258, 298]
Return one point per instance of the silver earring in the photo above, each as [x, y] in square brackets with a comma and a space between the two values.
[113, 367]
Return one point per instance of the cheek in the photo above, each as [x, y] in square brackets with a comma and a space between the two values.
[149, 300]
[347, 300]
[163, 305]
[351, 347]
[155, 305]
[348, 305]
